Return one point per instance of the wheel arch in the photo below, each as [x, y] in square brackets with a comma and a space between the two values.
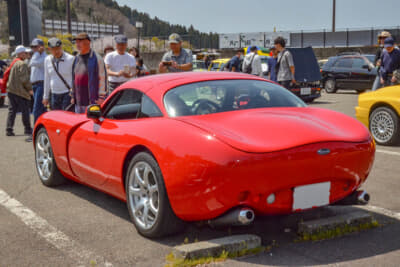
[379, 105]
[131, 153]
[37, 129]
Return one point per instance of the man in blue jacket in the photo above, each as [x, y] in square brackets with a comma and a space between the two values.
[390, 63]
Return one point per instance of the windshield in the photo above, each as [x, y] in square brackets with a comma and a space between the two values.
[227, 95]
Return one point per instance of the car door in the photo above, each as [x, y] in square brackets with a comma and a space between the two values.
[93, 145]
[342, 72]
[361, 73]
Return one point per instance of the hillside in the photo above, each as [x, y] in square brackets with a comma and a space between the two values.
[109, 11]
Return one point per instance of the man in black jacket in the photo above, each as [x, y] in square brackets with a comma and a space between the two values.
[378, 58]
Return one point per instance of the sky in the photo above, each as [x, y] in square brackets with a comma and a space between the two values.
[235, 16]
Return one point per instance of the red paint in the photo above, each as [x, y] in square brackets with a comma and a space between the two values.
[212, 163]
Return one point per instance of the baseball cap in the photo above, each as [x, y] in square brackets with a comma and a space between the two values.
[37, 42]
[389, 42]
[82, 36]
[384, 34]
[174, 39]
[20, 49]
[120, 39]
[54, 42]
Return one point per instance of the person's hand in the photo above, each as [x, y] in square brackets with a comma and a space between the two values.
[45, 102]
[175, 65]
[394, 79]
[31, 92]
[382, 81]
[120, 73]
[72, 101]
[162, 68]
[127, 75]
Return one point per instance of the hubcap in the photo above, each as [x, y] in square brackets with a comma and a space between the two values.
[144, 194]
[44, 156]
[382, 126]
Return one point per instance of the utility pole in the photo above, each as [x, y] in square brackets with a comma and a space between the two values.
[69, 16]
[334, 16]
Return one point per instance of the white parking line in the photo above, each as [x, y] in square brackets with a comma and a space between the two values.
[388, 152]
[55, 237]
[383, 211]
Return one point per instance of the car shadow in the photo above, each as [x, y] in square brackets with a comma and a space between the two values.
[279, 232]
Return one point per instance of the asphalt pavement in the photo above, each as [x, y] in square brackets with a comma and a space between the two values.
[73, 225]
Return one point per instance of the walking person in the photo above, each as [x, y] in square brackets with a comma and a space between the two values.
[37, 77]
[89, 75]
[57, 76]
[120, 65]
[378, 58]
[177, 59]
[390, 63]
[19, 91]
[284, 68]
[234, 62]
[272, 63]
[252, 63]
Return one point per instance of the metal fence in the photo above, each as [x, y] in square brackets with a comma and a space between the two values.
[316, 38]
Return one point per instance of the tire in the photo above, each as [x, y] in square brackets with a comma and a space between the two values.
[44, 159]
[160, 219]
[384, 126]
[330, 86]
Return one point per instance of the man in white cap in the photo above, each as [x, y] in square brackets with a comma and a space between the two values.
[120, 65]
[177, 59]
[19, 92]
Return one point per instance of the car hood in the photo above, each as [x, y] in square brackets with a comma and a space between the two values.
[272, 129]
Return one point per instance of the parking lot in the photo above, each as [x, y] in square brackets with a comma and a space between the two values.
[73, 225]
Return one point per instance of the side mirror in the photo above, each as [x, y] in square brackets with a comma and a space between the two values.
[93, 111]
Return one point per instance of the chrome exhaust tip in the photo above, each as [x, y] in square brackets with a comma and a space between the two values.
[236, 217]
[363, 197]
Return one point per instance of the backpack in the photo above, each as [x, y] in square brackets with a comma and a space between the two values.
[248, 68]
[7, 72]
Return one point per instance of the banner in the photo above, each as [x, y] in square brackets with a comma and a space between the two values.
[263, 39]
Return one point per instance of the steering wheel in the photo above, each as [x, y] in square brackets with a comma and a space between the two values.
[204, 106]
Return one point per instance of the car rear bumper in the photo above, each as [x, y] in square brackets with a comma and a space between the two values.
[315, 93]
[252, 178]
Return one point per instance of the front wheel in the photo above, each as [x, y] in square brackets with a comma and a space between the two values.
[384, 126]
[45, 163]
[147, 199]
[330, 86]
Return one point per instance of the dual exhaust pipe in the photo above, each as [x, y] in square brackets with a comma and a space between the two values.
[356, 198]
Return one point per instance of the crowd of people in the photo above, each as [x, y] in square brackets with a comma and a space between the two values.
[61, 81]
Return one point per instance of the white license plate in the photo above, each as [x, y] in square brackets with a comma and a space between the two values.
[305, 91]
[309, 196]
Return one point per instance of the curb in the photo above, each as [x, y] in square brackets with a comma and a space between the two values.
[215, 247]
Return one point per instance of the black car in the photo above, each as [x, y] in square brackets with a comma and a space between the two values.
[307, 74]
[354, 72]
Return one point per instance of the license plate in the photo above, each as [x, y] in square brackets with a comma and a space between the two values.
[305, 91]
[309, 196]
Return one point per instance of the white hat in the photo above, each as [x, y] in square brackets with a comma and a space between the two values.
[20, 49]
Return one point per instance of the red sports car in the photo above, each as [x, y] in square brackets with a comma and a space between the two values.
[216, 147]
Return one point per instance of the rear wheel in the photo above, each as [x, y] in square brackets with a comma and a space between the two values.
[330, 86]
[147, 199]
[45, 163]
[384, 126]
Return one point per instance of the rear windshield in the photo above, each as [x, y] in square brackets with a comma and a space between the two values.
[227, 95]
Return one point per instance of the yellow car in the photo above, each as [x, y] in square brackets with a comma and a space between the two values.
[380, 112]
[218, 64]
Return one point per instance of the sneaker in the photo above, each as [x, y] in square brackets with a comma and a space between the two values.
[29, 139]
[10, 133]
[29, 132]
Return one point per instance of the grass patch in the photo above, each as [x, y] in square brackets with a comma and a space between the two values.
[336, 232]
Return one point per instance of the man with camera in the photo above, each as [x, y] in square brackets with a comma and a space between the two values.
[177, 59]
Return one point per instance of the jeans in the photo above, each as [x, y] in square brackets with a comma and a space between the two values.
[38, 108]
[17, 103]
[60, 101]
[377, 83]
[112, 86]
[80, 109]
